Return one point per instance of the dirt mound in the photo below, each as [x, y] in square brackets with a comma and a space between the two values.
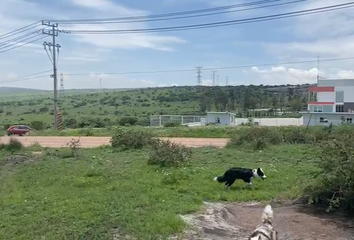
[237, 221]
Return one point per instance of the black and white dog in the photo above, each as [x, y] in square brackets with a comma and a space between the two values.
[245, 174]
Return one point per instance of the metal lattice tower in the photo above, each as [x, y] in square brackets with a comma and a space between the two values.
[61, 93]
[213, 74]
[199, 76]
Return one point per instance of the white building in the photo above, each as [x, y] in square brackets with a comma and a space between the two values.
[221, 118]
[331, 101]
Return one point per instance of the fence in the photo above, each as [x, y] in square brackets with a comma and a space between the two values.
[160, 120]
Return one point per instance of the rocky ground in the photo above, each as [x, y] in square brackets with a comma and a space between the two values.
[220, 221]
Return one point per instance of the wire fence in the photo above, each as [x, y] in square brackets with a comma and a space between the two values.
[160, 120]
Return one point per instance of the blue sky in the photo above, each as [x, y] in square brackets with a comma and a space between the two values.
[328, 35]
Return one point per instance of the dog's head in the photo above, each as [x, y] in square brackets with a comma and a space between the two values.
[259, 173]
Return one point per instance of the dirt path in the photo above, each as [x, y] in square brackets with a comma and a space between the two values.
[237, 221]
[89, 142]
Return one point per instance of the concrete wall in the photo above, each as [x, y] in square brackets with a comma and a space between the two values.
[279, 121]
[224, 118]
[326, 97]
[348, 92]
[335, 119]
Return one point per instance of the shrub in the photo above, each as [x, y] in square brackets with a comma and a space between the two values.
[126, 138]
[168, 154]
[172, 124]
[257, 137]
[128, 120]
[13, 145]
[333, 185]
[37, 125]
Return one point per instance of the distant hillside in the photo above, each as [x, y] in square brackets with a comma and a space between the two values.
[15, 90]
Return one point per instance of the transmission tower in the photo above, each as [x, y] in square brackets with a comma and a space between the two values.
[199, 76]
[214, 72]
[61, 94]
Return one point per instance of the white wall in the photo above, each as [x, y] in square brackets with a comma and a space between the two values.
[335, 119]
[224, 118]
[326, 97]
[279, 121]
[348, 92]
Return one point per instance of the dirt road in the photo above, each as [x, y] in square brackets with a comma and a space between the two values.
[234, 221]
[90, 142]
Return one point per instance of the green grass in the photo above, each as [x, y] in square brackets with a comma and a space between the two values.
[62, 198]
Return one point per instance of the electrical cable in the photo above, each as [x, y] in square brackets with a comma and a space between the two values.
[11, 41]
[28, 77]
[212, 68]
[217, 24]
[19, 30]
[166, 14]
[23, 44]
[180, 17]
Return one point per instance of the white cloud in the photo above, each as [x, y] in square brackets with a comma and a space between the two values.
[283, 75]
[107, 8]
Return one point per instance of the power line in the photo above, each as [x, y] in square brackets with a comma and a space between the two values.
[11, 41]
[23, 40]
[24, 79]
[164, 14]
[211, 69]
[218, 24]
[23, 44]
[19, 30]
[152, 19]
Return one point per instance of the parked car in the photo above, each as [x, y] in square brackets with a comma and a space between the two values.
[18, 130]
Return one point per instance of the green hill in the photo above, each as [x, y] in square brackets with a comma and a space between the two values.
[100, 108]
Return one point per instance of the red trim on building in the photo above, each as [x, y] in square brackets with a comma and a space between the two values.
[321, 89]
[320, 103]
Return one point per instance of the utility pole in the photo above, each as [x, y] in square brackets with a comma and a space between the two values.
[199, 76]
[227, 81]
[213, 84]
[318, 68]
[54, 33]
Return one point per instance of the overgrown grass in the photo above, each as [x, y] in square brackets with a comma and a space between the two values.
[277, 135]
[62, 198]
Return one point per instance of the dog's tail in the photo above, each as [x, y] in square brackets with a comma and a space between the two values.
[267, 215]
[220, 179]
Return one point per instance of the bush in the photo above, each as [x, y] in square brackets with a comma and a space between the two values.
[128, 121]
[172, 124]
[37, 125]
[257, 137]
[168, 154]
[125, 139]
[333, 185]
[13, 145]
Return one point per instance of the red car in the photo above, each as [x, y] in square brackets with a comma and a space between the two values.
[18, 130]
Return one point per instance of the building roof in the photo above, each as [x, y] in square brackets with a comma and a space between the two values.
[221, 113]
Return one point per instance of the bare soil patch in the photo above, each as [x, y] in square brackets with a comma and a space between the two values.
[220, 221]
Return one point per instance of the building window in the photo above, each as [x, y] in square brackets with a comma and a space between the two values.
[340, 96]
[339, 108]
[349, 120]
[323, 120]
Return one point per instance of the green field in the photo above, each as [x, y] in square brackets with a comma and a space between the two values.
[58, 197]
[99, 109]
[140, 186]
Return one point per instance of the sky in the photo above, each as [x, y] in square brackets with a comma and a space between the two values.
[323, 35]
